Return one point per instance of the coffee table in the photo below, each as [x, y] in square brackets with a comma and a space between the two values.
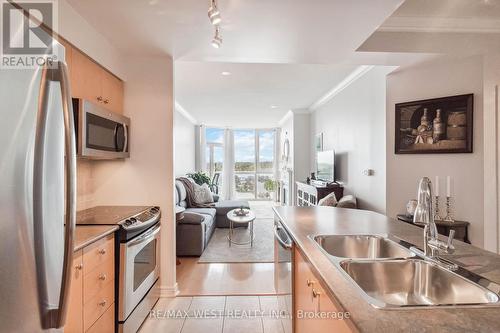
[235, 219]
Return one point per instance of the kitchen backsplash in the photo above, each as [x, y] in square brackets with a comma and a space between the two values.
[85, 187]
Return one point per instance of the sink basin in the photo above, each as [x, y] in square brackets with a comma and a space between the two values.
[362, 247]
[414, 283]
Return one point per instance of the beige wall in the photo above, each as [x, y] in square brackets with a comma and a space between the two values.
[438, 79]
[353, 124]
[147, 177]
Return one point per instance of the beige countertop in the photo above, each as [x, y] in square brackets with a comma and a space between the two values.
[301, 222]
[87, 234]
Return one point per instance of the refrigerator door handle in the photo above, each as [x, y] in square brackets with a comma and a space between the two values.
[57, 72]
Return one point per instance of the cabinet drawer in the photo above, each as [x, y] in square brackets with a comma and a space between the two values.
[74, 318]
[98, 304]
[95, 281]
[106, 323]
[98, 253]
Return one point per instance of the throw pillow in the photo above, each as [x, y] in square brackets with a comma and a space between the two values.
[329, 200]
[202, 194]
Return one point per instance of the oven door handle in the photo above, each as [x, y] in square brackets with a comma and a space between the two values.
[146, 237]
[285, 244]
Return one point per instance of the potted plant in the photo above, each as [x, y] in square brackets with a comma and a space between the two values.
[200, 178]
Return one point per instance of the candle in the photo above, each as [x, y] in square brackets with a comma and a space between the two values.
[436, 186]
[448, 186]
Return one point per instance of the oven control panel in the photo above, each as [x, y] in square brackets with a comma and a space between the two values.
[143, 219]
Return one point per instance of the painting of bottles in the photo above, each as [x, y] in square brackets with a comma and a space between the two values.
[438, 125]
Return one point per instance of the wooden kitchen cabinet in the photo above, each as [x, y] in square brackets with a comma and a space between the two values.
[68, 54]
[92, 82]
[311, 297]
[92, 292]
[74, 319]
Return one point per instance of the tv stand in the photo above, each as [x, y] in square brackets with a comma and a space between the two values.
[310, 194]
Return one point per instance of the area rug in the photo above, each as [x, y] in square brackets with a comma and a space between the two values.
[219, 251]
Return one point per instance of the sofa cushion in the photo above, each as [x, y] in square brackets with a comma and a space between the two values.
[348, 201]
[181, 191]
[329, 200]
[224, 206]
[192, 218]
[205, 211]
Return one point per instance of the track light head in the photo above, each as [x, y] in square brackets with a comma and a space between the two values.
[214, 14]
[217, 41]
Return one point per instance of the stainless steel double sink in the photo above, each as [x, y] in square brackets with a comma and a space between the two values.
[391, 276]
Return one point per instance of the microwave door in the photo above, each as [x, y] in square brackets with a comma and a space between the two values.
[102, 134]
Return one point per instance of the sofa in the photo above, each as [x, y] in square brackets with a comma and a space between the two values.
[194, 231]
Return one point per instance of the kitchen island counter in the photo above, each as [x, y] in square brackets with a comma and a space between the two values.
[302, 222]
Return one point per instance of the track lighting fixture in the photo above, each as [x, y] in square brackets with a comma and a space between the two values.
[217, 41]
[213, 13]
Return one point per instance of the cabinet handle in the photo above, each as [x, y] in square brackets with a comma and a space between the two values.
[99, 98]
[102, 251]
[102, 277]
[106, 101]
[102, 303]
[316, 293]
[310, 282]
[79, 267]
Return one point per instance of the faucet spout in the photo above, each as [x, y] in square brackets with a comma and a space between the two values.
[424, 216]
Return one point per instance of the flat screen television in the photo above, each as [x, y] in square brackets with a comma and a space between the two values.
[325, 161]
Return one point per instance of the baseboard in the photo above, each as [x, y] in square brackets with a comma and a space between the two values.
[172, 291]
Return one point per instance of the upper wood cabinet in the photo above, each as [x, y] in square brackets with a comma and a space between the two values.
[92, 82]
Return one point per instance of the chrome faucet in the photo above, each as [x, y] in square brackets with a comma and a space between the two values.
[424, 216]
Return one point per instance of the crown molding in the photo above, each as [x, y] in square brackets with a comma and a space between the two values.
[346, 82]
[179, 108]
[287, 116]
[440, 24]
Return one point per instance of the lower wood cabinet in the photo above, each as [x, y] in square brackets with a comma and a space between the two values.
[92, 295]
[312, 301]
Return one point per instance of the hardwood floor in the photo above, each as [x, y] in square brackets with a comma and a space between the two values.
[224, 279]
[195, 279]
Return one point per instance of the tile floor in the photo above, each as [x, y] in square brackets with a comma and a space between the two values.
[217, 314]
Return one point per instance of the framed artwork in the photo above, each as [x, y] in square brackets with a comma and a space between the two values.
[319, 142]
[435, 126]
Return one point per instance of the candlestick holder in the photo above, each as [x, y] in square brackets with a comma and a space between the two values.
[448, 217]
[437, 217]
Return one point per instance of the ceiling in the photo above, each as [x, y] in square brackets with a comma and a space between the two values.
[254, 95]
[256, 31]
[286, 53]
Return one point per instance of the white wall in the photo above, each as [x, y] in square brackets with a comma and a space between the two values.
[438, 79]
[353, 124]
[301, 145]
[184, 145]
[491, 77]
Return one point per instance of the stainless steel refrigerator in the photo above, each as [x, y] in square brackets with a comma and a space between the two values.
[37, 197]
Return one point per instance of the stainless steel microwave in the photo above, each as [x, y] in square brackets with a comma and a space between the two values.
[100, 133]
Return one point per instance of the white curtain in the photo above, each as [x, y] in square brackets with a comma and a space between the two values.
[202, 144]
[277, 155]
[228, 170]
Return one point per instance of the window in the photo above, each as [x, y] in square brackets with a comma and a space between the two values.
[254, 164]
